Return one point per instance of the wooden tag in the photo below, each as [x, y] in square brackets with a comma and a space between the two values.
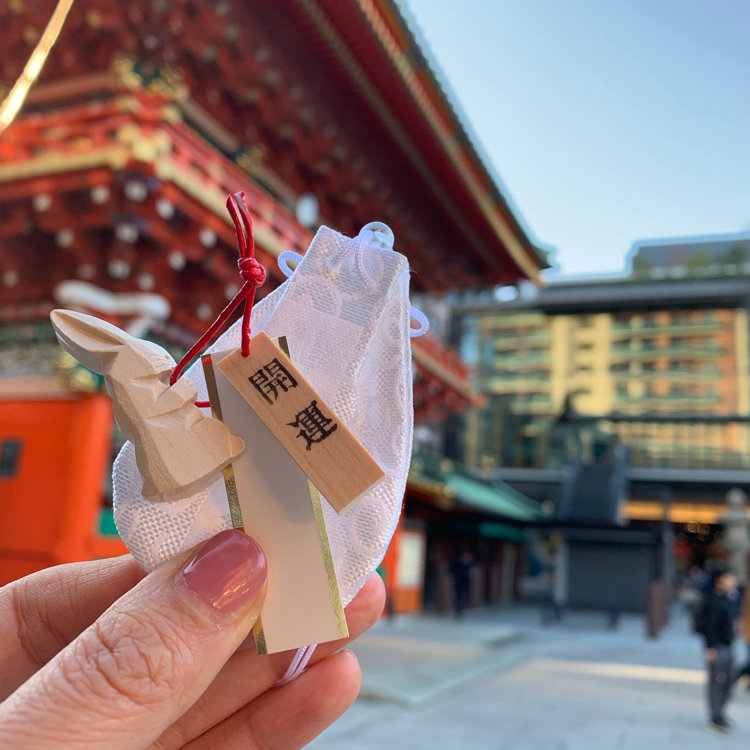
[302, 422]
[273, 500]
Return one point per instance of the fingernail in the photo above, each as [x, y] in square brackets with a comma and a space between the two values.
[227, 572]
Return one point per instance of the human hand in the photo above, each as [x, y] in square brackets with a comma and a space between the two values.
[160, 667]
[710, 655]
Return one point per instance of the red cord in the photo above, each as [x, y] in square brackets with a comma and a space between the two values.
[253, 274]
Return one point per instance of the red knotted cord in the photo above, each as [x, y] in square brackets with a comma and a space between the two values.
[253, 274]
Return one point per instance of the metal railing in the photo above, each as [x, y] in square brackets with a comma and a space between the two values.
[652, 445]
[620, 330]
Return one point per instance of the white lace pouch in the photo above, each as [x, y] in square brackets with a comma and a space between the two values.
[345, 313]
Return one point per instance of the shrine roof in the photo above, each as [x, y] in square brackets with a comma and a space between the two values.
[400, 38]
[337, 97]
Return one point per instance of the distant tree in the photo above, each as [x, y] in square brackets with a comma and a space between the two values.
[736, 255]
[699, 259]
[642, 267]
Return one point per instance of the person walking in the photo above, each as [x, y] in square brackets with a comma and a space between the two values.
[461, 569]
[719, 611]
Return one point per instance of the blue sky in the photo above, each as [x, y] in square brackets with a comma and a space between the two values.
[607, 121]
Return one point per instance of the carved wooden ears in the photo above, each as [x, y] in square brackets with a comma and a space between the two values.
[179, 451]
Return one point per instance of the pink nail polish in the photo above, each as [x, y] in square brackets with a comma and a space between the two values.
[227, 572]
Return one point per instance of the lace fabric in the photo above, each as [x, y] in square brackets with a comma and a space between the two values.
[345, 313]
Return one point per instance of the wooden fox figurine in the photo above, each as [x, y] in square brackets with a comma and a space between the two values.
[179, 451]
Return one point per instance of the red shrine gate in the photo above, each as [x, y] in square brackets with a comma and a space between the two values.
[147, 115]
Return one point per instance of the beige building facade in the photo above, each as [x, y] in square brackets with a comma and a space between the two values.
[618, 351]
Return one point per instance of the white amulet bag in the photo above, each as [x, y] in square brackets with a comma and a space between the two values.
[346, 315]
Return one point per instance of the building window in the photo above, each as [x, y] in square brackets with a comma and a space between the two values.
[10, 456]
[469, 347]
[585, 346]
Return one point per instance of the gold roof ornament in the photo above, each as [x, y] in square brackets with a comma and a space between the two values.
[13, 102]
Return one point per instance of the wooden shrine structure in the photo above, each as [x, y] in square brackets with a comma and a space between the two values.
[146, 116]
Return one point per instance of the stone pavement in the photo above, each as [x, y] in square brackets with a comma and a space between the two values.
[413, 659]
[501, 681]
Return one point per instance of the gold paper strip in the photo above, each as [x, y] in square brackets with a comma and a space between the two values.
[230, 484]
[315, 498]
[325, 546]
[235, 511]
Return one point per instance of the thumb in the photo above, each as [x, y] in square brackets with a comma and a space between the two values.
[148, 658]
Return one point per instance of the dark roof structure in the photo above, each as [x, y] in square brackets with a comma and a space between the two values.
[679, 252]
[623, 294]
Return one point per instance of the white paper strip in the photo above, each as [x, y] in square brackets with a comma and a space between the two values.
[302, 605]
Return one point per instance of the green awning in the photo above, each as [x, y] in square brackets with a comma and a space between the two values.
[493, 530]
[490, 530]
[498, 499]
